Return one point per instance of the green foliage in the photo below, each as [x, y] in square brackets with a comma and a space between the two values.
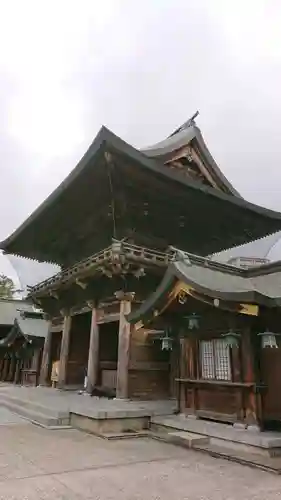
[7, 287]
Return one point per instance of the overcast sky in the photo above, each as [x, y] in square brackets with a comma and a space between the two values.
[142, 69]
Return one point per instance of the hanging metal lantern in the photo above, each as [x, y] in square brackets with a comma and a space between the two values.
[166, 342]
[193, 321]
[268, 339]
[231, 339]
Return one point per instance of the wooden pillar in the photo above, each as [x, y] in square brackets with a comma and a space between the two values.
[122, 384]
[1, 367]
[64, 352]
[17, 378]
[12, 367]
[93, 357]
[5, 369]
[35, 359]
[192, 357]
[182, 401]
[36, 363]
[251, 409]
[46, 358]
[174, 369]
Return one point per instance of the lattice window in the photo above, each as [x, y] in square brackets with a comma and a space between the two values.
[215, 360]
[222, 360]
[207, 359]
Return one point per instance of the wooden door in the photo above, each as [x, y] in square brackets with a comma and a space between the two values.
[271, 375]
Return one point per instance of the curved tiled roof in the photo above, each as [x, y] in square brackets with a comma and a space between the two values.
[218, 281]
[23, 319]
[233, 220]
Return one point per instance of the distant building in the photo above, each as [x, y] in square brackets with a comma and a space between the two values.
[22, 334]
[247, 262]
[256, 252]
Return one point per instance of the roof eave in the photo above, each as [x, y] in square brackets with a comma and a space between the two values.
[213, 164]
[108, 140]
[101, 137]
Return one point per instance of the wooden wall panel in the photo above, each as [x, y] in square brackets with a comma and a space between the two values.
[108, 342]
[149, 384]
[149, 368]
[78, 349]
[217, 400]
[214, 399]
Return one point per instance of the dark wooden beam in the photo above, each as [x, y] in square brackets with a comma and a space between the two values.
[64, 349]
[123, 346]
[251, 417]
[93, 359]
[46, 358]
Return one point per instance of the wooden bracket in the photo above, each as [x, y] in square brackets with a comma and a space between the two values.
[80, 283]
[64, 312]
[128, 296]
[91, 303]
[108, 157]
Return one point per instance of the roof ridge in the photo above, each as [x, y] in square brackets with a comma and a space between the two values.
[190, 122]
[207, 262]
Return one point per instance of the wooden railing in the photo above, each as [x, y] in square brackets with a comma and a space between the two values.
[121, 252]
[117, 251]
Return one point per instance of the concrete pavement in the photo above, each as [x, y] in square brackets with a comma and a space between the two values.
[8, 418]
[37, 464]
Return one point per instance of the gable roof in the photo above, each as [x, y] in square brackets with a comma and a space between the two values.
[27, 316]
[32, 325]
[190, 134]
[27, 324]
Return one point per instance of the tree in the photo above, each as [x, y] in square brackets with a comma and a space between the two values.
[7, 287]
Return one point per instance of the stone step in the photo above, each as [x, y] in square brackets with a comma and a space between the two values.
[35, 416]
[187, 439]
[105, 423]
[225, 436]
[109, 436]
[256, 460]
[32, 406]
[181, 438]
